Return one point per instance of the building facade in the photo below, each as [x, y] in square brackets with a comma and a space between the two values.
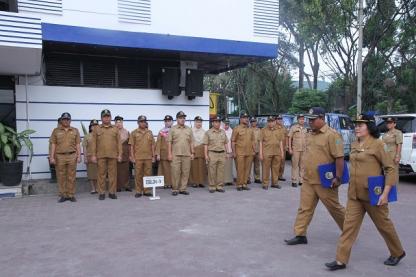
[130, 56]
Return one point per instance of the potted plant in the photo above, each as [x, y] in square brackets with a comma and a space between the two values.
[11, 143]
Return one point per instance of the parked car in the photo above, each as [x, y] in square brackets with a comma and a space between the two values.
[407, 124]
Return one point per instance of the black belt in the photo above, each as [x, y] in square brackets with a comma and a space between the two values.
[217, 151]
[67, 153]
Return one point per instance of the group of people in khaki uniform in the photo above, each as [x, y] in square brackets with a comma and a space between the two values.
[178, 149]
[369, 157]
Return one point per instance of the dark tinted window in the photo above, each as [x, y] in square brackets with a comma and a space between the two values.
[346, 123]
[404, 124]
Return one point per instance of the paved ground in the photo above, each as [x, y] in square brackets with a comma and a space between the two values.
[231, 234]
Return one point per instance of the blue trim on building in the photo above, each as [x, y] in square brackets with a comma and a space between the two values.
[94, 36]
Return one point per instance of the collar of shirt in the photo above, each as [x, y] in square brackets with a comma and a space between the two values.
[106, 126]
[243, 125]
[63, 128]
[216, 130]
[323, 129]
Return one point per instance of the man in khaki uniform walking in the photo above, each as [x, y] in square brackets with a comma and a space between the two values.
[65, 154]
[242, 142]
[271, 153]
[215, 145]
[181, 152]
[142, 154]
[256, 157]
[106, 151]
[324, 145]
[198, 165]
[162, 152]
[281, 127]
[297, 147]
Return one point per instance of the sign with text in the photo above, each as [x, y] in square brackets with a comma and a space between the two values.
[153, 182]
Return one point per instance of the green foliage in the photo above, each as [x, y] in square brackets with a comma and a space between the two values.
[304, 99]
[84, 130]
[11, 142]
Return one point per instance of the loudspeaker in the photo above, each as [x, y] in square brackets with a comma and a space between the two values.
[170, 82]
[194, 83]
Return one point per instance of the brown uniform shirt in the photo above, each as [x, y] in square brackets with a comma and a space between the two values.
[392, 139]
[66, 141]
[86, 144]
[181, 138]
[271, 138]
[162, 144]
[256, 132]
[284, 133]
[297, 134]
[243, 137]
[142, 142]
[215, 139]
[322, 147]
[105, 142]
[369, 159]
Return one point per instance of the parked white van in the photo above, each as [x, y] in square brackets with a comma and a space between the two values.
[407, 124]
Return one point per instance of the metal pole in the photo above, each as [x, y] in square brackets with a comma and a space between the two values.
[360, 58]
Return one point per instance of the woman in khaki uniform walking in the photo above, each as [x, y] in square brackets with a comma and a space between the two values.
[394, 141]
[368, 158]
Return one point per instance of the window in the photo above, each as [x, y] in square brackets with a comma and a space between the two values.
[65, 69]
[8, 5]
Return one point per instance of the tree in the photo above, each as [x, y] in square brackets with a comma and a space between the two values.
[304, 99]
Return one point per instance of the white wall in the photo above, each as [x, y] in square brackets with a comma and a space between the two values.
[47, 103]
[222, 19]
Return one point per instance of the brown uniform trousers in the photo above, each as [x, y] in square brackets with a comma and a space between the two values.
[142, 143]
[106, 146]
[365, 162]
[392, 139]
[256, 157]
[323, 146]
[198, 166]
[181, 138]
[123, 167]
[66, 170]
[66, 142]
[270, 139]
[243, 137]
[283, 163]
[162, 151]
[215, 141]
[297, 135]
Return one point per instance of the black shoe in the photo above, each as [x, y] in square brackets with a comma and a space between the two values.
[282, 179]
[297, 240]
[128, 189]
[276, 186]
[174, 193]
[228, 184]
[72, 199]
[294, 185]
[201, 185]
[112, 196]
[246, 188]
[257, 181]
[332, 266]
[239, 188]
[265, 188]
[212, 190]
[148, 194]
[101, 197]
[62, 199]
[138, 195]
[93, 192]
[118, 190]
[184, 192]
[220, 190]
[194, 185]
[300, 184]
[393, 261]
